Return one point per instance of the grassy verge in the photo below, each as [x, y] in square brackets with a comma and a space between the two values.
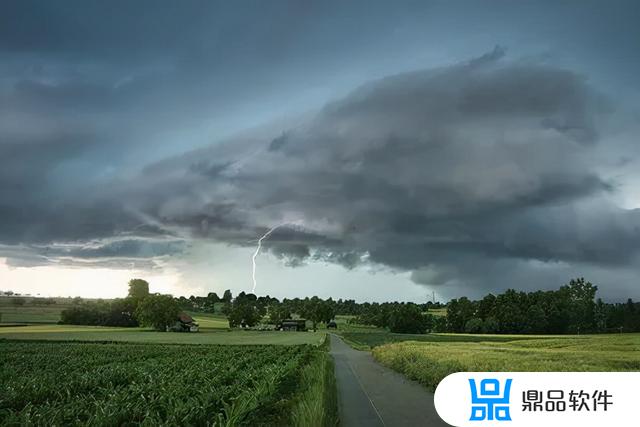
[317, 405]
[429, 362]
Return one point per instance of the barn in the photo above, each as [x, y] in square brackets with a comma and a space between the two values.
[293, 325]
[184, 323]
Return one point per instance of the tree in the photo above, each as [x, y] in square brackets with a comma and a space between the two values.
[138, 289]
[212, 299]
[509, 311]
[408, 319]
[535, 321]
[317, 311]
[118, 312]
[600, 316]
[474, 326]
[158, 311]
[490, 326]
[459, 311]
[582, 311]
[278, 313]
[486, 307]
[439, 324]
[243, 312]
[227, 296]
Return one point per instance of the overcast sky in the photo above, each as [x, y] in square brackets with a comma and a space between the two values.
[401, 148]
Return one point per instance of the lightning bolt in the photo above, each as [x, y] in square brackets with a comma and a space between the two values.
[255, 254]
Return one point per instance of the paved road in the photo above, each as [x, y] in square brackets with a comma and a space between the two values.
[371, 395]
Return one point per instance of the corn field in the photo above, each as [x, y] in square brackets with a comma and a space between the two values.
[104, 384]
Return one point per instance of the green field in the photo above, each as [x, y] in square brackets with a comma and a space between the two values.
[69, 383]
[208, 320]
[367, 339]
[429, 361]
[438, 312]
[30, 313]
[99, 333]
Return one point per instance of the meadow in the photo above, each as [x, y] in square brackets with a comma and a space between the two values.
[437, 355]
[71, 383]
[209, 320]
[29, 313]
[366, 339]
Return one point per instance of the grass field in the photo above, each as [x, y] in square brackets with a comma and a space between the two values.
[98, 333]
[428, 361]
[30, 313]
[71, 383]
[438, 312]
[367, 339]
[208, 320]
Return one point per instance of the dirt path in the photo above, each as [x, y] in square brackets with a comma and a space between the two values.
[371, 395]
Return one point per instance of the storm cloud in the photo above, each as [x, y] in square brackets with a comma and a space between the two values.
[124, 145]
[471, 164]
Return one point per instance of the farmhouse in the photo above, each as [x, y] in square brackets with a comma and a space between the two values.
[184, 323]
[293, 325]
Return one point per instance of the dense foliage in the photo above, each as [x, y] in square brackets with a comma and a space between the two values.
[58, 383]
[118, 312]
[138, 289]
[157, 311]
[245, 311]
[572, 309]
[409, 319]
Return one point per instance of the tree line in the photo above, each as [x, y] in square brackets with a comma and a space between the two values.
[572, 309]
[139, 308]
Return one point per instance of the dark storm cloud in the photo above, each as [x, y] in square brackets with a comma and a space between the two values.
[91, 91]
[420, 169]
[120, 252]
[455, 174]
